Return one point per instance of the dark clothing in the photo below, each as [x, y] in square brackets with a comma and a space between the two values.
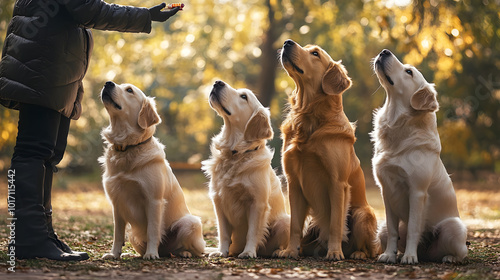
[47, 50]
[42, 135]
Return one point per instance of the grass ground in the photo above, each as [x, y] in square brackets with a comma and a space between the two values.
[83, 219]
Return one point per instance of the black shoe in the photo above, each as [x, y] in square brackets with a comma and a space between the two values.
[32, 236]
[47, 204]
[47, 250]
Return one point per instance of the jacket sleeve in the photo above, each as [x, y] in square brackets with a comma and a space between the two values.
[98, 14]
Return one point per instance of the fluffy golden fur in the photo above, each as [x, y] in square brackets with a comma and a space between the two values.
[246, 193]
[323, 172]
[422, 218]
[139, 182]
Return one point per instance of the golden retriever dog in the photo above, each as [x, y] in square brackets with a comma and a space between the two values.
[324, 175]
[246, 193]
[139, 182]
[422, 218]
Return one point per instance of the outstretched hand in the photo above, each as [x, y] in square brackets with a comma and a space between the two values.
[158, 15]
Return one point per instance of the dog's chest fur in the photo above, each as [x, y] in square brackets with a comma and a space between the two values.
[236, 178]
[396, 135]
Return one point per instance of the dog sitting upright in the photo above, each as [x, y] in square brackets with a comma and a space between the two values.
[245, 190]
[421, 207]
[139, 182]
[324, 175]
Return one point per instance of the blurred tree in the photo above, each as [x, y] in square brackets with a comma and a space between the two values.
[455, 44]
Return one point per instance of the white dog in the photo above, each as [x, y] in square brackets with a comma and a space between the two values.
[244, 189]
[420, 202]
[139, 182]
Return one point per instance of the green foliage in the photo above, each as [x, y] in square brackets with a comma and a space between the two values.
[454, 43]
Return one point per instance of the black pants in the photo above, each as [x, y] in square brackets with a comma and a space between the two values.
[42, 135]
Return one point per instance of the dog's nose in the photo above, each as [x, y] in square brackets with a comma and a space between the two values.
[385, 52]
[109, 84]
[289, 43]
[219, 84]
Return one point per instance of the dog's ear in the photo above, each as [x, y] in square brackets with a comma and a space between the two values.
[148, 115]
[259, 126]
[335, 79]
[425, 99]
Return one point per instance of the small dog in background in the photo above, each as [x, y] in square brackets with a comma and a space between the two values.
[420, 202]
[139, 182]
[324, 175]
[245, 191]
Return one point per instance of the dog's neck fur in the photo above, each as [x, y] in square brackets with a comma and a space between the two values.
[395, 106]
[305, 118]
[113, 137]
[231, 139]
[396, 120]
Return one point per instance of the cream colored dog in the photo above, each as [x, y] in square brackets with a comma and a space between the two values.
[324, 175]
[139, 182]
[245, 190]
[420, 202]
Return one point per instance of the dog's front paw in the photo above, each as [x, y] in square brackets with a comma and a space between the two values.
[185, 254]
[276, 253]
[110, 256]
[358, 255]
[334, 255]
[387, 258]
[248, 255]
[126, 255]
[409, 259]
[218, 254]
[289, 254]
[151, 256]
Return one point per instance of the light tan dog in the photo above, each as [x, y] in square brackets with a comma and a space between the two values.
[420, 202]
[139, 182]
[245, 191]
[323, 172]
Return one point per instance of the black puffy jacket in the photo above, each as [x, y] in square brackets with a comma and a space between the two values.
[47, 49]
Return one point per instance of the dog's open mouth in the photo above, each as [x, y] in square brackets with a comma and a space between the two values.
[286, 59]
[106, 98]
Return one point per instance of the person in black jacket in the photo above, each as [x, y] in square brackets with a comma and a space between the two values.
[44, 59]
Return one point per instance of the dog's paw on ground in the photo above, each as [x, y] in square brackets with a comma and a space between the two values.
[109, 256]
[247, 255]
[185, 254]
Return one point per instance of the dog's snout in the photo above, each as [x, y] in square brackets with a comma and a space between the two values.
[288, 43]
[218, 84]
[109, 84]
[385, 52]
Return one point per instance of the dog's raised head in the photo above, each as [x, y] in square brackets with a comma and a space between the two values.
[245, 119]
[314, 72]
[405, 82]
[132, 114]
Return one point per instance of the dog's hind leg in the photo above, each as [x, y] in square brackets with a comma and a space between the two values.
[279, 233]
[363, 233]
[450, 243]
[189, 240]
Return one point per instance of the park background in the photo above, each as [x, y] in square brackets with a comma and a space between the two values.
[454, 43]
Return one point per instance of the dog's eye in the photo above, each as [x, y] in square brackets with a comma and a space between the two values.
[409, 72]
[315, 53]
[244, 96]
[130, 90]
